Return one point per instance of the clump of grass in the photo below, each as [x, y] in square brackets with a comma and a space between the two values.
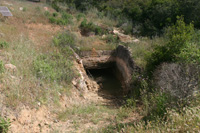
[4, 44]
[47, 13]
[4, 125]
[79, 16]
[24, 9]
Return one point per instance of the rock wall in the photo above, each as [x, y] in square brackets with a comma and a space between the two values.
[119, 59]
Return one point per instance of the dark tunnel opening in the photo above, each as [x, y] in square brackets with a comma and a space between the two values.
[109, 84]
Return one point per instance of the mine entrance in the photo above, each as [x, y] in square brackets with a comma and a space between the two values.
[106, 78]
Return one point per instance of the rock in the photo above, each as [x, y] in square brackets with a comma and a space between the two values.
[2, 35]
[55, 121]
[136, 40]
[74, 82]
[104, 36]
[21, 8]
[46, 8]
[10, 67]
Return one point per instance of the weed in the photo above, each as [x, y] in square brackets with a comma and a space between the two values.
[38, 9]
[4, 44]
[47, 13]
[24, 9]
[4, 125]
[55, 14]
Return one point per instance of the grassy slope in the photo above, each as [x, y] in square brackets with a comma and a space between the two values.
[29, 34]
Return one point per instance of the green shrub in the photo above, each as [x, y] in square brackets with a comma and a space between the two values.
[52, 20]
[158, 103]
[54, 67]
[4, 125]
[4, 44]
[44, 69]
[64, 40]
[190, 54]
[178, 35]
[55, 14]
[1, 67]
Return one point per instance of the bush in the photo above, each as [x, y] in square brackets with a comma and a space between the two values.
[190, 54]
[4, 125]
[4, 45]
[178, 35]
[179, 80]
[64, 40]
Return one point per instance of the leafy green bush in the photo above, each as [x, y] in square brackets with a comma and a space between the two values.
[1, 67]
[190, 54]
[178, 35]
[4, 44]
[4, 125]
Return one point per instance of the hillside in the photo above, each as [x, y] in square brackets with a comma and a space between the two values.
[68, 68]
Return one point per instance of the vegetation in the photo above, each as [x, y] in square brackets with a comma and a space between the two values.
[4, 125]
[169, 45]
[65, 18]
[4, 45]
